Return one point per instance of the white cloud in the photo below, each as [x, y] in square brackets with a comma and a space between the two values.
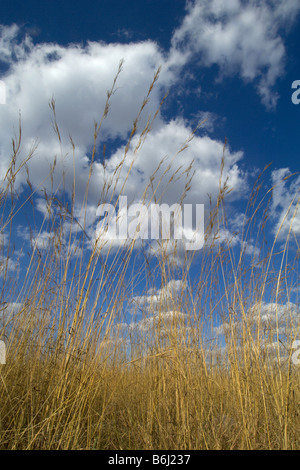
[3, 239]
[274, 314]
[240, 37]
[278, 325]
[160, 319]
[173, 250]
[78, 78]
[39, 72]
[203, 152]
[159, 299]
[9, 310]
[169, 179]
[43, 240]
[10, 47]
[7, 266]
[164, 321]
[285, 203]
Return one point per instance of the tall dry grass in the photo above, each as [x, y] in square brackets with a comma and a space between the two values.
[78, 377]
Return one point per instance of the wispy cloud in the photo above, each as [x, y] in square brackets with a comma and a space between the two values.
[240, 37]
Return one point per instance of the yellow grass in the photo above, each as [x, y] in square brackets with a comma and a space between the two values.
[75, 378]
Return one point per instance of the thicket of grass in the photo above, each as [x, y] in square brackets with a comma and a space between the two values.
[76, 379]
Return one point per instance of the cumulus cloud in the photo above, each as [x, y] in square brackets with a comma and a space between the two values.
[285, 203]
[272, 315]
[241, 37]
[161, 319]
[7, 266]
[166, 173]
[172, 250]
[78, 77]
[278, 325]
[203, 153]
[158, 299]
[9, 309]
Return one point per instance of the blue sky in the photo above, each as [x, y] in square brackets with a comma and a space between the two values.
[231, 62]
